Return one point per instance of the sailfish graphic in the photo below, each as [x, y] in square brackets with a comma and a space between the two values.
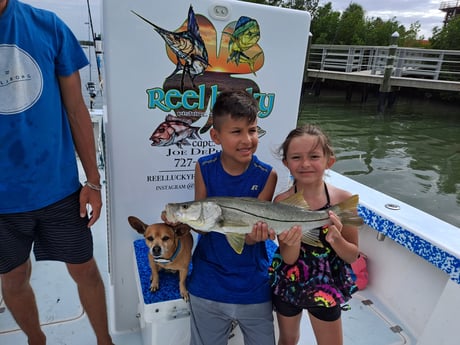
[189, 47]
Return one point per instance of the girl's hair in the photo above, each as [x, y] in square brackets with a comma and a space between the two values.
[308, 129]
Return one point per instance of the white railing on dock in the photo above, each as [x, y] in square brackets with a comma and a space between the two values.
[449, 4]
[408, 62]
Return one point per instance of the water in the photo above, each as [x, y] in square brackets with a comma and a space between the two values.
[412, 153]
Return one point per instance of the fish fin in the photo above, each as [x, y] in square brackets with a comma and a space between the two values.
[261, 132]
[296, 200]
[182, 119]
[236, 241]
[346, 210]
[312, 239]
[207, 125]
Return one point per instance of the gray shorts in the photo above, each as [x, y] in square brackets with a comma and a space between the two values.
[57, 232]
[211, 322]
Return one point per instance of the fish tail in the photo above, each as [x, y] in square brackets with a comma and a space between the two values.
[346, 210]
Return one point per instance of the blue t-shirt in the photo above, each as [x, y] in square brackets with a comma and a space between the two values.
[37, 157]
[219, 273]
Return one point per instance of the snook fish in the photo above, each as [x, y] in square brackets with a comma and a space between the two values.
[234, 217]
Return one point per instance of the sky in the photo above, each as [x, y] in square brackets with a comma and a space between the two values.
[75, 13]
[406, 11]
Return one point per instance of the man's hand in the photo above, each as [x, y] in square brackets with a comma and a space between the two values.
[91, 197]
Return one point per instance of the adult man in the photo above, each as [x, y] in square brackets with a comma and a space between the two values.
[43, 119]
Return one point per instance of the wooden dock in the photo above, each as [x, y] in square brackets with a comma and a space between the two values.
[411, 67]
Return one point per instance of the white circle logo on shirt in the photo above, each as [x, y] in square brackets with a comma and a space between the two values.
[21, 81]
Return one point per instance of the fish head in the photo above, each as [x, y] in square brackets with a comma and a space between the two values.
[200, 215]
[163, 135]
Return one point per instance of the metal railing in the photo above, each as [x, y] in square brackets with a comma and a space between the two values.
[408, 62]
[449, 4]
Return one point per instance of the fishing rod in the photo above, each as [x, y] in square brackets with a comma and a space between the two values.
[95, 40]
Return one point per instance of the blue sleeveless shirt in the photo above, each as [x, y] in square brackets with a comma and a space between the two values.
[219, 273]
[37, 157]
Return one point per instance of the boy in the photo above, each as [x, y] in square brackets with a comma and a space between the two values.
[225, 286]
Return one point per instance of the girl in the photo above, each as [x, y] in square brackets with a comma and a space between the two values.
[305, 277]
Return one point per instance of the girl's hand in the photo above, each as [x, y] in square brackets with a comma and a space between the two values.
[334, 231]
[291, 237]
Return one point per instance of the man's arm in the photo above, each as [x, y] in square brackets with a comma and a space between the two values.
[83, 137]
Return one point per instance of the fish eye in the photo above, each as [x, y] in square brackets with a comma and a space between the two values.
[185, 207]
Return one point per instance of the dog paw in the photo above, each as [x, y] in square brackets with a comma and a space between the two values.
[154, 287]
[184, 295]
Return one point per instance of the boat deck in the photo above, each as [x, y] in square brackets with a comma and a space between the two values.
[64, 321]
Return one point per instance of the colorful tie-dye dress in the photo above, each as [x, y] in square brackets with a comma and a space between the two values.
[319, 277]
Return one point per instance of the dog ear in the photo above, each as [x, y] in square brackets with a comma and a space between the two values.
[181, 229]
[137, 224]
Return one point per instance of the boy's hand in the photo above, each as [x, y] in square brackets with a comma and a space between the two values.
[260, 232]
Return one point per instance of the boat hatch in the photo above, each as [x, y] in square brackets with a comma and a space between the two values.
[367, 322]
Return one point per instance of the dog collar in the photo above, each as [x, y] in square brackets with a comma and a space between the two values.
[171, 259]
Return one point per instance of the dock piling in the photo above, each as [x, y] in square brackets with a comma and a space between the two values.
[385, 87]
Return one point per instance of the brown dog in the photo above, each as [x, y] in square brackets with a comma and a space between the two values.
[170, 248]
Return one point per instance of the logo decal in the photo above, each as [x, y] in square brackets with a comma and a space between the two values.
[21, 81]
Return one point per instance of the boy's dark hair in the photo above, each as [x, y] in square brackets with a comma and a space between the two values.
[237, 104]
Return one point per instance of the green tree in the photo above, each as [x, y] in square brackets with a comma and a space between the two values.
[351, 28]
[378, 31]
[306, 5]
[411, 37]
[448, 37]
[257, 1]
[324, 25]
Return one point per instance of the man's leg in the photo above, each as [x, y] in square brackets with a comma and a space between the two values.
[92, 297]
[20, 300]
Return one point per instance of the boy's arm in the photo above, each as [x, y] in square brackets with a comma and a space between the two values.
[269, 189]
[200, 187]
[260, 231]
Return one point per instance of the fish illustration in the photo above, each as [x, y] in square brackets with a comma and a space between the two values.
[174, 130]
[260, 132]
[234, 217]
[189, 47]
[245, 36]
